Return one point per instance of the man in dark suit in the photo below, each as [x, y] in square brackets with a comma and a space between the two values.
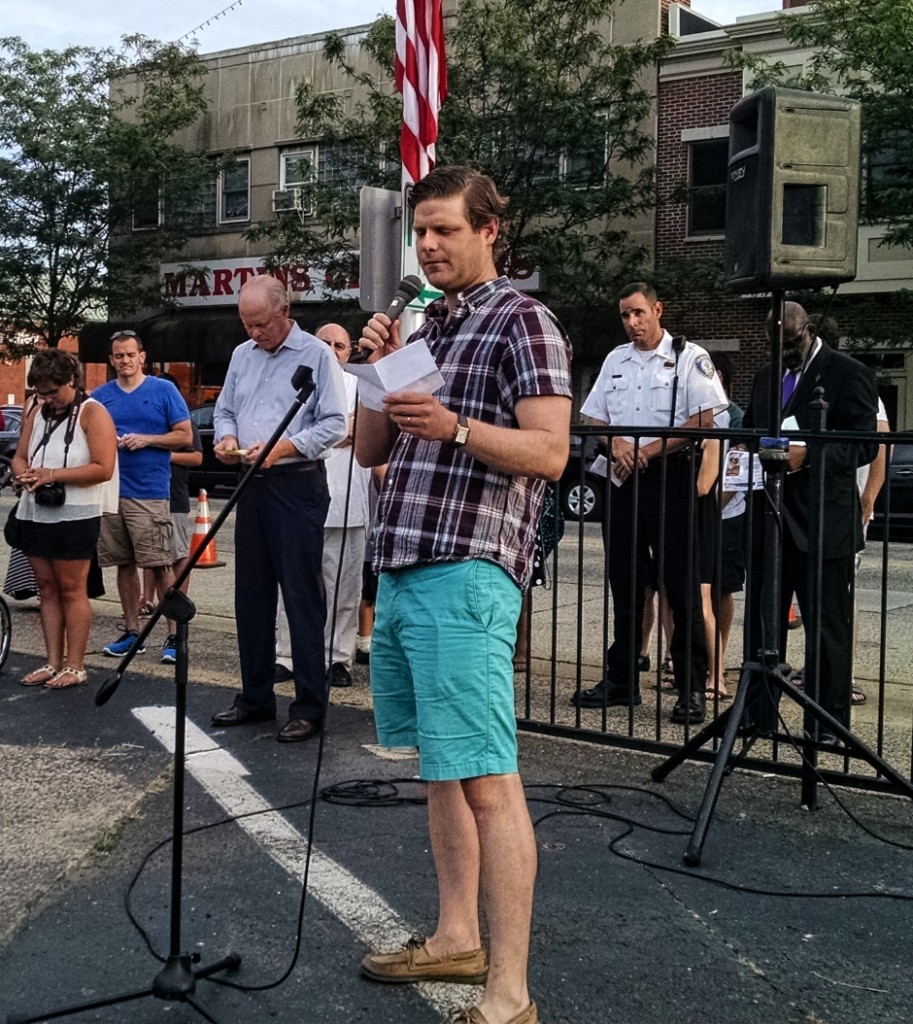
[852, 401]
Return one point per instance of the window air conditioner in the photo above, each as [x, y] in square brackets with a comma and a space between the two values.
[288, 200]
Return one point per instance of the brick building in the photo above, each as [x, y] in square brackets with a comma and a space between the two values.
[696, 91]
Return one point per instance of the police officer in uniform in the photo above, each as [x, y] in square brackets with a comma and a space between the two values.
[652, 382]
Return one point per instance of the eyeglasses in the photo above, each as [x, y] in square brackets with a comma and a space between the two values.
[123, 334]
[49, 394]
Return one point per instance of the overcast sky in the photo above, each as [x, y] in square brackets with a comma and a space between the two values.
[55, 24]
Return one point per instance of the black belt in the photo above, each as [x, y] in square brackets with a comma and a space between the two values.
[286, 469]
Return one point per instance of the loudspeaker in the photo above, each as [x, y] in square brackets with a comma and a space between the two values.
[792, 190]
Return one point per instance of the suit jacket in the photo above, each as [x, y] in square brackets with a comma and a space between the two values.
[852, 404]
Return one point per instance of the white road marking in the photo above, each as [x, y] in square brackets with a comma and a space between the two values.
[355, 904]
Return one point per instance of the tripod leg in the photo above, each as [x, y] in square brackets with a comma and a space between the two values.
[228, 963]
[692, 854]
[715, 728]
[200, 1010]
[69, 1011]
[850, 740]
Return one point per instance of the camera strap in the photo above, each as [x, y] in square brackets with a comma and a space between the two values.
[50, 427]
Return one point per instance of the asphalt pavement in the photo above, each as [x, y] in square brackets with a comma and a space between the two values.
[792, 917]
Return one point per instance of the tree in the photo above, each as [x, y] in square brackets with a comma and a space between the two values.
[86, 145]
[861, 48]
[537, 98]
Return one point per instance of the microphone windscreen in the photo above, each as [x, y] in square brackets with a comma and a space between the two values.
[408, 289]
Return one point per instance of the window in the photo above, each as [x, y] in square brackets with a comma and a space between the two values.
[888, 176]
[147, 205]
[585, 164]
[197, 214]
[234, 192]
[708, 160]
[298, 168]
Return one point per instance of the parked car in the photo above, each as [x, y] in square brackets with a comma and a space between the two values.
[212, 473]
[900, 517]
[582, 496]
[9, 436]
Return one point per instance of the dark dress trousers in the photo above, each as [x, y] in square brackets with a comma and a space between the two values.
[852, 402]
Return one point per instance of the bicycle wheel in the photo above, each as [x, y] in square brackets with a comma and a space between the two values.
[6, 631]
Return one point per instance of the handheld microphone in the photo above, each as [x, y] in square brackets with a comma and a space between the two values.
[407, 290]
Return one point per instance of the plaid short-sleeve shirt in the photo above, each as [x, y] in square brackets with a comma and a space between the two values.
[439, 504]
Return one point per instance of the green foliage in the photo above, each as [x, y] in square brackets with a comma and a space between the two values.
[861, 48]
[86, 138]
[537, 98]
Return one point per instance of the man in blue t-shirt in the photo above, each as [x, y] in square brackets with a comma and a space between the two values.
[152, 420]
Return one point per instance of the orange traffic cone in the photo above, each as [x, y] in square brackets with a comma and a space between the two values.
[795, 619]
[208, 559]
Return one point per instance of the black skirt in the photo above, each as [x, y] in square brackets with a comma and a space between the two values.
[74, 539]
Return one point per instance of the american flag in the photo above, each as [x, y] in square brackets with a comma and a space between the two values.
[421, 76]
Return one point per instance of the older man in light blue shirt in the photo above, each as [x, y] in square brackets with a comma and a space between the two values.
[280, 517]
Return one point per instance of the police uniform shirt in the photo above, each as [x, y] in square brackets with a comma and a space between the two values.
[634, 387]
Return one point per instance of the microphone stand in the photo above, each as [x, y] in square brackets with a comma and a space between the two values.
[763, 680]
[176, 981]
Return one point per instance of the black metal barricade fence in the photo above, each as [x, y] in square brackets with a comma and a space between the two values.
[572, 617]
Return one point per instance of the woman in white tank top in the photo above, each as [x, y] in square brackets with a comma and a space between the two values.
[66, 465]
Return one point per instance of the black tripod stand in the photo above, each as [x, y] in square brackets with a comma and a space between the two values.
[762, 681]
[176, 981]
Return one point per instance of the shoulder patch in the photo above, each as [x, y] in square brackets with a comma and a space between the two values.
[705, 367]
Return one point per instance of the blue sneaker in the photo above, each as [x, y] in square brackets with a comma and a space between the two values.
[123, 645]
[170, 650]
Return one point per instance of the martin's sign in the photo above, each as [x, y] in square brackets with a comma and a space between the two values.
[218, 282]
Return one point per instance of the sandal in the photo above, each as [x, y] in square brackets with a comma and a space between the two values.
[858, 696]
[66, 678]
[39, 675]
[713, 694]
[146, 609]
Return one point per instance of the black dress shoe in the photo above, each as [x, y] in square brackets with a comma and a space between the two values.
[283, 674]
[826, 739]
[339, 675]
[691, 711]
[643, 663]
[606, 695]
[238, 716]
[296, 730]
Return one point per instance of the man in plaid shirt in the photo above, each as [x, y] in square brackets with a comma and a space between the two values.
[456, 535]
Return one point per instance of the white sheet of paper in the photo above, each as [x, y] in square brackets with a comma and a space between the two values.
[600, 467]
[735, 476]
[412, 368]
[791, 423]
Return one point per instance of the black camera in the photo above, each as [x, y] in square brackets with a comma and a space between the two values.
[50, 495]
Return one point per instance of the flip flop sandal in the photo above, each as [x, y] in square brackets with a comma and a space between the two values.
[77, 677]
[39, 676]
[713, 694]
[858, 696]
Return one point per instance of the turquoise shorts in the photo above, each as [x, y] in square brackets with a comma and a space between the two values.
[442, 670]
